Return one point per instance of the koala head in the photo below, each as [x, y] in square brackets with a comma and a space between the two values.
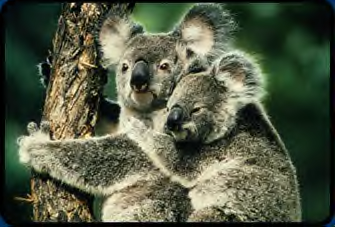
[203, 106]
[147, 65]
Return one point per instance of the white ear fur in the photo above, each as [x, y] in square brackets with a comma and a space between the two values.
[198, 35]
[241, 75]
[113, 37]
[206, 29]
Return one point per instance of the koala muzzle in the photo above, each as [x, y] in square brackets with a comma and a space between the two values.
[175, 119]
[140, 77]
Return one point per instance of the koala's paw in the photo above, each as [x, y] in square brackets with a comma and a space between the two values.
[31, 145]
[43, 131]
[26, 146]
[24, 155]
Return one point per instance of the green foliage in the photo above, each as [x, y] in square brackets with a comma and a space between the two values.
[292, 42]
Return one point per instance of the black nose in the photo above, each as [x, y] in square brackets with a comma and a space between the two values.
[175, 119]
[140, 77]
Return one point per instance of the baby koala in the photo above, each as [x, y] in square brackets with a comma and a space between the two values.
[223, 148]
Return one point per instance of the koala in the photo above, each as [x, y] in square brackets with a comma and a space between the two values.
[149, 65]
[221, 146]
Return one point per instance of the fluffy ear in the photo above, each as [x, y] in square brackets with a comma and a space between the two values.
[206, 28]
[240, 74]
[114, 35]
[242, 81]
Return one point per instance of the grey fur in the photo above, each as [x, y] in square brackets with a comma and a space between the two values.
[240, 170]
[112, 166]
[146, 177]
[227, 163]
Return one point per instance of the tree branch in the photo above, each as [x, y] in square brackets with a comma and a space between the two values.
[71, 104]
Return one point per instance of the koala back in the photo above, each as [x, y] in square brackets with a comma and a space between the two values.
[248, 173]
[228, 148]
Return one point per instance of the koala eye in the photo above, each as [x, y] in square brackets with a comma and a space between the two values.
[196, 110]
[125, 67]
[164, 66]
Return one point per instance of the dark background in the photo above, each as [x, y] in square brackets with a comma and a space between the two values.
[292, 42]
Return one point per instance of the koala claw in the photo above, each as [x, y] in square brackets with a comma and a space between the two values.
[45, 127]
[39, 133]
[32, 128]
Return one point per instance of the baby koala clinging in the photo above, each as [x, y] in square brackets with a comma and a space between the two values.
[223, 147]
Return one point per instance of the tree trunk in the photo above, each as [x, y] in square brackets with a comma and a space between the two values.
[71, 103]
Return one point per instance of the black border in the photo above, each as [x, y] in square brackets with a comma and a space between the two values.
[329, 221]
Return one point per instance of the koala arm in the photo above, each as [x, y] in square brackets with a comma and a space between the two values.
[97, 165]
[161, 150]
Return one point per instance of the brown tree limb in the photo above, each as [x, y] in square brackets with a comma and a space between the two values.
[71, 103]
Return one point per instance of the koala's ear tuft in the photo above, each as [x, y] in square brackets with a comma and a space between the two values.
[240, 74]
[114, 35]
[206, 28]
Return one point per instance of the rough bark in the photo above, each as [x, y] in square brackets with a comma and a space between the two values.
[71, 103]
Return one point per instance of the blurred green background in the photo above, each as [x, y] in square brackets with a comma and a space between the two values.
[292, 42]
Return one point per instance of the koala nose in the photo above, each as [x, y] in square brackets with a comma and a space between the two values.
[140, 77]
[175, 119]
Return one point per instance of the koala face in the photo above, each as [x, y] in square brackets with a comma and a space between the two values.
[203, 106]
[148, 65]
[193, 106]
[147, 71]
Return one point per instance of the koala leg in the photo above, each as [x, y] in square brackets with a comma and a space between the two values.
[244, 193]
[160, 201]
